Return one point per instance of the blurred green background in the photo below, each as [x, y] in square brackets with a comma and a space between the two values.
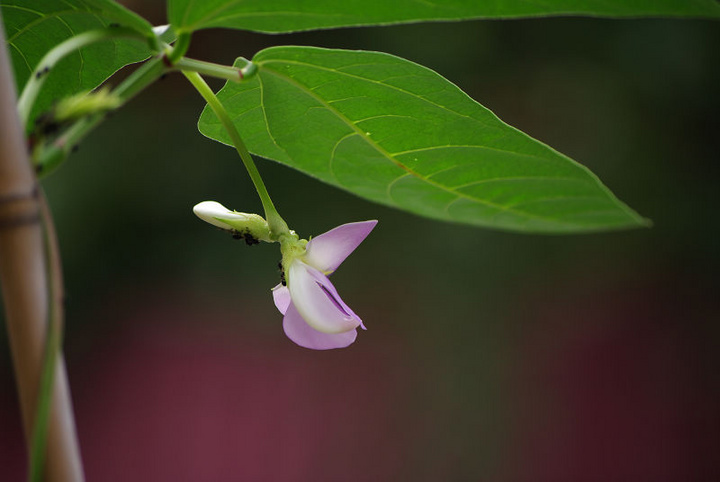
[488, 355]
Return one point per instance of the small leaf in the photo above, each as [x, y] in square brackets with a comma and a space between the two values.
[293, 15]
[33, 27]
[397, 133]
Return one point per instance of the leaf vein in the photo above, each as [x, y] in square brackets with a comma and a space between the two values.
[331, 167]
[373, 81]
[25, 9]
[548, 199]
[468, 146]
[79, 51]
[514, 178]
[387, 155]
[382, 116]
[388, 190]
[275, 15]
[265, 118]
[22, 56]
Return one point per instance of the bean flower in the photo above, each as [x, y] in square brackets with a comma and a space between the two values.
[314, 314]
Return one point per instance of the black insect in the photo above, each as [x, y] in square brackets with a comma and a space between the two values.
[282, 274]
[249, 238]
[42, 72]
[46, 125]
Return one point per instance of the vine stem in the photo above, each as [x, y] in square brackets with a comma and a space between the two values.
[23, 278]
[38, 76]
[56, 294]
[54, 153]
[277, 225]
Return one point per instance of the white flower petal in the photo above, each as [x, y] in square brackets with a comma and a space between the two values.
[317, 300]
[213, 212]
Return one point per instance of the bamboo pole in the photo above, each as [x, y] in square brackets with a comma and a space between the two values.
[24, 283]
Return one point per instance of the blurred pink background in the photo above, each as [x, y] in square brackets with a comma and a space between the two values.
[489, 356]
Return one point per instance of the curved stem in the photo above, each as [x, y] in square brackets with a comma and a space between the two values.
[52, 155]
[179, 49]
[38, 76]
[53, 343]
[277, 225]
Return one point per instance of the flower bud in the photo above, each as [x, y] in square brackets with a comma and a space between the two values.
[247, 226]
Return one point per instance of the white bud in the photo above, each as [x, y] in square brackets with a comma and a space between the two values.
[218, 215]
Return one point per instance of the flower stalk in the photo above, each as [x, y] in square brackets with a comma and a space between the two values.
[278, 227]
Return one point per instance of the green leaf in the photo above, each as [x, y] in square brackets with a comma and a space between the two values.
[399, 134]
[33, 27]
[293, 15]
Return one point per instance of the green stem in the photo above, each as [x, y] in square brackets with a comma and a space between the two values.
[53, 342]
[179, 48]
[148, 73]
[52, 155]
[40, 429]
[277, 225]
[38, 76]
[210, 69]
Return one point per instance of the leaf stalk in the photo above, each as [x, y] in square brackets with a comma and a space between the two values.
[210, 69]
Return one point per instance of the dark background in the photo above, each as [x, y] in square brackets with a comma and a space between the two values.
[488, 355]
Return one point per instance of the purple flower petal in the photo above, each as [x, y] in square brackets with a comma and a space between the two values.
[317, 300]
[281, 297]
[301, 333]
[328, 250]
